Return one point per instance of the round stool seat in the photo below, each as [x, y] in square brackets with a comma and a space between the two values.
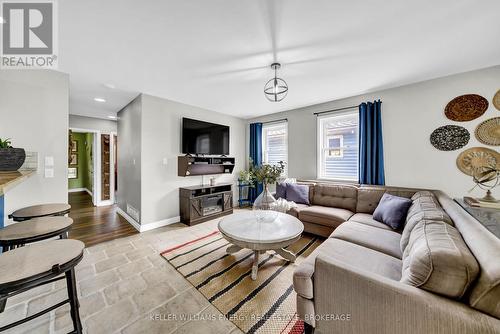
[34, 260]
[42, 210]
[37, 228]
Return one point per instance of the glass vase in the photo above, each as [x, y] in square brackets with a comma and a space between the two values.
[264, 206]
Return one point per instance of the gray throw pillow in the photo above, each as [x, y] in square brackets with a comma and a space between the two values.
[392, 210]
[281, 190]
[298, 193]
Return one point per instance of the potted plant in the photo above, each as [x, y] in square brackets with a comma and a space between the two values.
[264, 205]
[11, 159]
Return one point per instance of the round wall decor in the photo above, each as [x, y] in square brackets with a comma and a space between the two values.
[488, 132]
[466, 107]
[474, 159]
[496, 100]
[450, 137]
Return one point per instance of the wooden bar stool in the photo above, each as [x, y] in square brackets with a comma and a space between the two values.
[38, 264]
[36, 229]
[42, 210]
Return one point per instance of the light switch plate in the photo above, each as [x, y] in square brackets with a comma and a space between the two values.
[49, 161]
[49, 172]
[165, 161]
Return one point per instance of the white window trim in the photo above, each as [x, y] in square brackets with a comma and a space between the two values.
[319, 148]
[271, 125]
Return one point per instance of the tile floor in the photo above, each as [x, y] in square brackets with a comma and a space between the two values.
[125, 286]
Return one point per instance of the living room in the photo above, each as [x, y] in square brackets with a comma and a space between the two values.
[321, 168]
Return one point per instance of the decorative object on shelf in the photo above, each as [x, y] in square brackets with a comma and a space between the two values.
[477, 160]
[488, 132]
[486, 178]
[11, 159]
[465, 108]
[496, 100]
[450, 137]
[276, 89]
[73, 173]
[265, 204]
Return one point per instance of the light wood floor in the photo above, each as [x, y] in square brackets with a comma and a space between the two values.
[94, 225]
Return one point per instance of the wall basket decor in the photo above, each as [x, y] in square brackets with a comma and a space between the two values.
[488, 132]
[465, 108]
[475, 159]
[496, 100]
[450, 137]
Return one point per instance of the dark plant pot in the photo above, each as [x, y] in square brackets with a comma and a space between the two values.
[11, 159]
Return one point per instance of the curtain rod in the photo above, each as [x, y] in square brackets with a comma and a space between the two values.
[275, 121]
[339, 109]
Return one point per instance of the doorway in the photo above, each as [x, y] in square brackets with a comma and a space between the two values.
[81, 163]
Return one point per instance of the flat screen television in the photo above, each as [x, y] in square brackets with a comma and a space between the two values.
[200, 137]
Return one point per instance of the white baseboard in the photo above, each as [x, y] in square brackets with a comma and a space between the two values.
[105, 203]
[147, 227]
[131, 220]
[160, 223]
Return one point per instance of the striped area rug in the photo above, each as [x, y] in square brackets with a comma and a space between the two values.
[266, 305]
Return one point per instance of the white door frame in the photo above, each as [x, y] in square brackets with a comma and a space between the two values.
[96, 154]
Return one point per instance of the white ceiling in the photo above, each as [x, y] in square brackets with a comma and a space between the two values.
[216, 54]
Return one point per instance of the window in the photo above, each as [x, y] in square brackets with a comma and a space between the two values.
[275, 143]
[338, 147]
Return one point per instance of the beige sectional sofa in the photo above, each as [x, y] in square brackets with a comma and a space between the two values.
[440, 274]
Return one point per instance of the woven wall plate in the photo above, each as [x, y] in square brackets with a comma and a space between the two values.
[488, 132]
[450, 137]
[465, 108]
[496, 100]
[477, 157]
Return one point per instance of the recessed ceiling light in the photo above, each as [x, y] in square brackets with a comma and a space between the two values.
[111, 117]
[110, 86]
[99, 99]
[2, 20]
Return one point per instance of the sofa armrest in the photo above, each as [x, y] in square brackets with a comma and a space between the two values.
[351, 300]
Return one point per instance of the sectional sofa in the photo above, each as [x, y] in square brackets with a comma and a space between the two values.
[440, 274]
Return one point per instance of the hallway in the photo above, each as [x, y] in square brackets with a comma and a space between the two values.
[94, 225]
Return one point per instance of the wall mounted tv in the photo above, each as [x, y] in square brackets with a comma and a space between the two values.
[200, 137]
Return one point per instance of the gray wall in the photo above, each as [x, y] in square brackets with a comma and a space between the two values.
[34, 113]
[161, 129]
[92, 123]
[129, 155]
[410, 114]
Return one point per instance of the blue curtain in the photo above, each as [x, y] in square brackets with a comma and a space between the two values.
[371, 148]
[256, 155]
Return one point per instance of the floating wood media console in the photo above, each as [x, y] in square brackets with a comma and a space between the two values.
[191, 166]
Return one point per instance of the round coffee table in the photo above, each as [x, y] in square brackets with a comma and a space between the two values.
[243, 230]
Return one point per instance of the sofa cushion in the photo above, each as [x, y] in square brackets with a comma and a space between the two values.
[336, 196]
[355, 255]
[438, 260]
[298, 193]
[392, 210]
[324, 215]
[437, 214]
[367, 219]
[422, 204]
[295, 211]
[369, 196]
[422, 193]
[375, 238]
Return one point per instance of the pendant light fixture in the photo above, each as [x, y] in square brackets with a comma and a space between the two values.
[276, 89]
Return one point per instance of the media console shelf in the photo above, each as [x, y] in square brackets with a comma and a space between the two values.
[201, 203]
[191, 165]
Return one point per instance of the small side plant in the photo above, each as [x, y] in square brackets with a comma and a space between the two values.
[5, 143]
